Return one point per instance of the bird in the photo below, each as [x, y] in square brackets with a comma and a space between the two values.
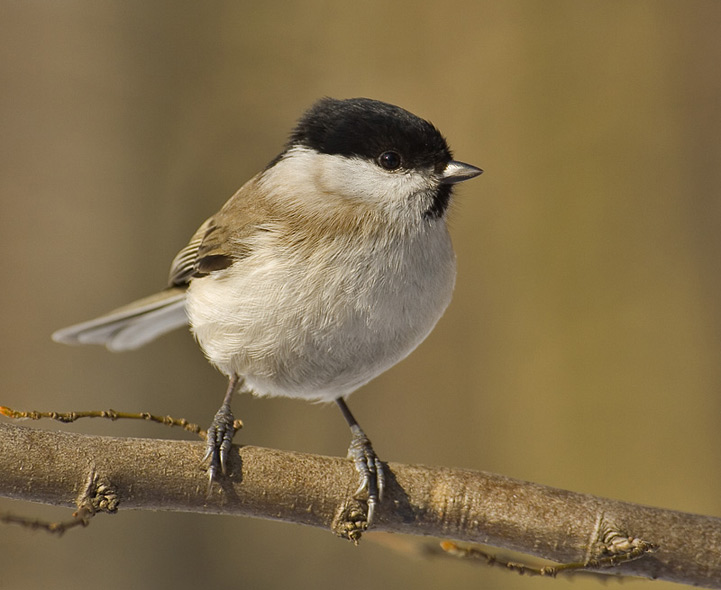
[325, 269]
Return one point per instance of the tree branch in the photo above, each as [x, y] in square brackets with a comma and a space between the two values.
[68, 469]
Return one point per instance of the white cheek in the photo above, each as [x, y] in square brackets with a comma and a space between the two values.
[366, 182]
[313, 182]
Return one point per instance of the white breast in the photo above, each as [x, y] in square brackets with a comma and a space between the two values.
[317, 322]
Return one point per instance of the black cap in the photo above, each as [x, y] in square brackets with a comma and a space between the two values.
[366, 128]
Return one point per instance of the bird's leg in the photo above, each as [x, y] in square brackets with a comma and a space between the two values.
[220, 434]
[369, 467]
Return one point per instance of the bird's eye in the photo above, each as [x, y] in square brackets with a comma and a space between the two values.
[389, 160]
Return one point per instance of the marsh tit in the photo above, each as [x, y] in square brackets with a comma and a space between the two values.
[325, 269]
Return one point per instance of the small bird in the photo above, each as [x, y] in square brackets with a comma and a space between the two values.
[324, 270]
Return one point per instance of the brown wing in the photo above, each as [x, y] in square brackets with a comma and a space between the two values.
[220, 241]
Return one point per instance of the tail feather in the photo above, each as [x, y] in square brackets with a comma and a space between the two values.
[131, 326]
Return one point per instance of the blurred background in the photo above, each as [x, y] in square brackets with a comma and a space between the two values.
[582, 349]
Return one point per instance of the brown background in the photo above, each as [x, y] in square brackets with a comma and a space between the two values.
[583, 346]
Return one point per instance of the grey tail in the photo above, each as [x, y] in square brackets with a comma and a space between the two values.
[131, 326]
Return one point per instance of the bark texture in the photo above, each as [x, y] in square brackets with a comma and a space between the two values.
[147, 474]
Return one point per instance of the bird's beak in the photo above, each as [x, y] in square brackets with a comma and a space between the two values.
[458, 172]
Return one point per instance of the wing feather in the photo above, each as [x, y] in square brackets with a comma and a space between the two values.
[222, 239]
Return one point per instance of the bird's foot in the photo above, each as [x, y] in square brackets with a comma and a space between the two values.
[370, 469]
[219, 442]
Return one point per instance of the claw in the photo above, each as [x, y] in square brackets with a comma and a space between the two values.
[369, 468]
[371, 510]
[381, 476]
[219, 443]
